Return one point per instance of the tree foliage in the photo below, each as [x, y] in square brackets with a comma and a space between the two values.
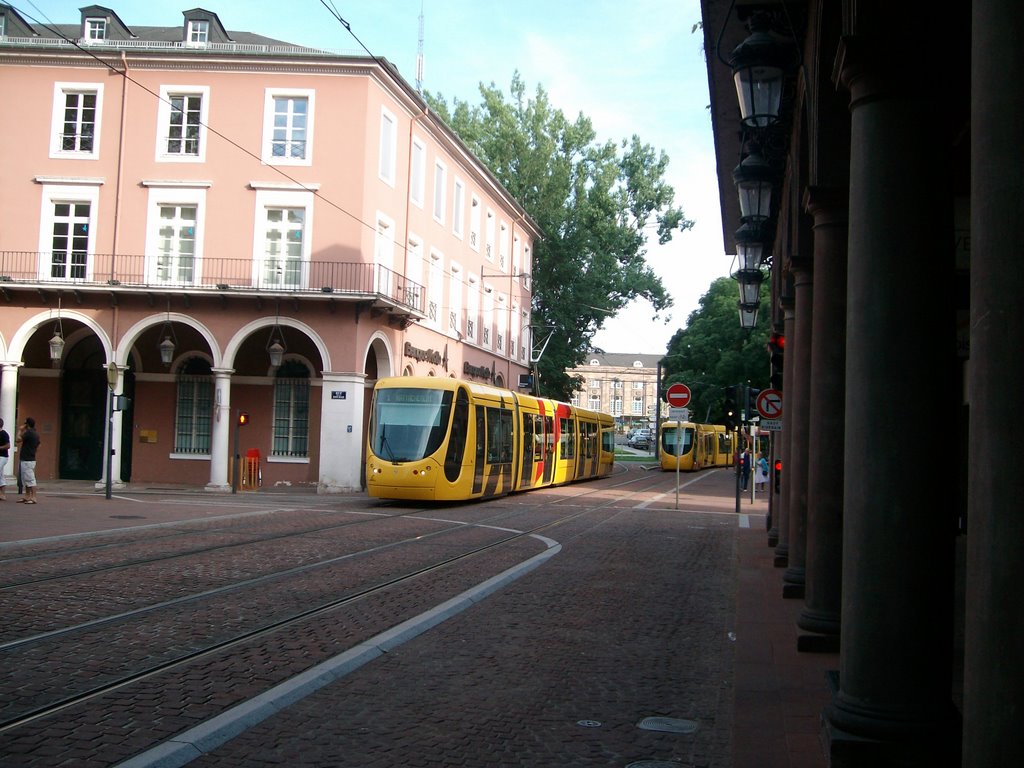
[713, 352]
[596, 204]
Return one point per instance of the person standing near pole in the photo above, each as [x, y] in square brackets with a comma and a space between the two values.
[29, 445]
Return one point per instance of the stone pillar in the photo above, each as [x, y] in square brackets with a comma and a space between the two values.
[782, 505]
[795, 414]
[994, 663]
[823, 582]
[8, 410]
[894, 704]
[221, 450]
[341, 432]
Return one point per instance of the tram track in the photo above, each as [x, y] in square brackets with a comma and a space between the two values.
[535, 502]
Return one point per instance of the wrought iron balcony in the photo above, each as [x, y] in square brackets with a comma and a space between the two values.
[270, 275]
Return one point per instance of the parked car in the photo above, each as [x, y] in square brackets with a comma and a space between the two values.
[641, 439]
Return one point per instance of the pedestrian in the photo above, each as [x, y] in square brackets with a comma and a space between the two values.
[29, 445]
[761, 478]
[5, 454]
[745, 468]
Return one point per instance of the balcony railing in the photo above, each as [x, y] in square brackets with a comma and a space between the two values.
[271, 274]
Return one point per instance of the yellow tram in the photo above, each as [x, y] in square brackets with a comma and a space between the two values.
[690, 447]
[441, 439]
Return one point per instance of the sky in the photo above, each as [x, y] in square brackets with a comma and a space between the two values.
[631, 67]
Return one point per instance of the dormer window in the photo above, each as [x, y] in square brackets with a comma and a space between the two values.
[95, 29]
[198, 32]
[595, 361]
[638, 364]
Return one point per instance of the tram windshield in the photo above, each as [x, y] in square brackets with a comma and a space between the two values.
[409, 424]
[669, 436]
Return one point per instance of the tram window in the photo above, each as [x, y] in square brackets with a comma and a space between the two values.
[457, 437]
[549, 437]
[567, 443]
[499, 436]
[539, 436]
[608, 440]
[409, 424]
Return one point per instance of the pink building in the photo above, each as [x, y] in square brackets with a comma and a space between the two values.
[211, 222]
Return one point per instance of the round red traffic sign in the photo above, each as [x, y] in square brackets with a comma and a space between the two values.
[678, 395]
[769, 404]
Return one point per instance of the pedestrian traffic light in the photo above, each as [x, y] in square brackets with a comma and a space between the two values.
[243, 418]
[776, 348]
[777, 473]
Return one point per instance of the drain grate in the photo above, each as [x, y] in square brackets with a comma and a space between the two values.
[654, 764]
[589, 723]
[667, 725]
[127, 517]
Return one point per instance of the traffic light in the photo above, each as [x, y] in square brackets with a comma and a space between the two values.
[776, 348]
[752, 401]
[777, 473]
[243, 418]
[732, 416]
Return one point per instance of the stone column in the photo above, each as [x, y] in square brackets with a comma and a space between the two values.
[795, 412]
[894, 703]
[782, 499]
[221, 449]
[994, 663]
[112, 429]
[823, 574]
[8, 412]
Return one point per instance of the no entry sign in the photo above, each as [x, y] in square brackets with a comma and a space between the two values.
[678, 395]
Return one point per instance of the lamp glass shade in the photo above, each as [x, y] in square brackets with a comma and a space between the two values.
[56, 347]
[759, 92]
[166, 351]
[755, 200]
[749, 255]
[748, 315]
[750, 290]
[276, 352]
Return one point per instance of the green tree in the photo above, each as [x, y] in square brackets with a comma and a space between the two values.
[595, 203]
[713, 352]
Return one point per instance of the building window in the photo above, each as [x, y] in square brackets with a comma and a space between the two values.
[291, 119]
[198, 32]
[281, 247]
[69, 256]
[282, 254]
[638, 385]
[489, 236]
[291, 411]
[458, 203]
[440, 190]
[474, 223]
[594, 403]
[67, 231]
[194, 409]
[638, 406]
[417, 181]
[388, 147]
[288, 127]
[95, 29]
[183, 131]
[435, 287]
[76, 120]
[176, 249]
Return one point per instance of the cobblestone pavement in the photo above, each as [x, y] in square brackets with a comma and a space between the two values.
[618, 647]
